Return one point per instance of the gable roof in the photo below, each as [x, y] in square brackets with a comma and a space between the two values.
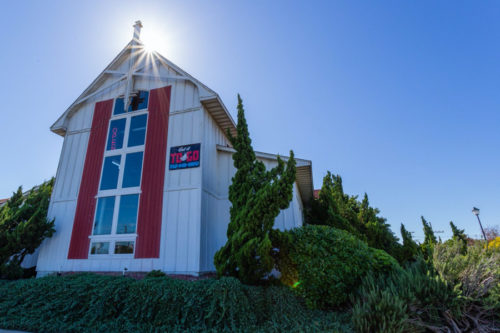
[208, 98]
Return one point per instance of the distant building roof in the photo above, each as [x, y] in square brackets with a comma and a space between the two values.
[3, 201]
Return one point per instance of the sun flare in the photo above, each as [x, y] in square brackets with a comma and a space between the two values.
[152, 41]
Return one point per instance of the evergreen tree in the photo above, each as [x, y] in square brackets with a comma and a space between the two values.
[342, 211]
[460, 236]
[410, 247]
[257, 196]
[429, 240]
[24, 225]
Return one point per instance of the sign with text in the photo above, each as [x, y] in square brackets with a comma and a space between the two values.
[183, 157]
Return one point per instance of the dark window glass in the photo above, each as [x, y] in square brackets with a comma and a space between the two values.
[100, 248]
[104, 216]
[133, 167]
[119, 106]
[124, 247]
[127, 216]
[116, 133]
[137, 130]
[110, 172]
[140, 101]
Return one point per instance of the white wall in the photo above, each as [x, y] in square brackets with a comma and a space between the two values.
[180, 241]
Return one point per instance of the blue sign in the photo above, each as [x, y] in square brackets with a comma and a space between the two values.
[183, 157]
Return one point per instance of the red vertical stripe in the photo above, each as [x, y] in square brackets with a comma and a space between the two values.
[153, 175]
[85, 207]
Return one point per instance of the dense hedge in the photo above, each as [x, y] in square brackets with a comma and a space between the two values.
[95, 303]
[326, 264]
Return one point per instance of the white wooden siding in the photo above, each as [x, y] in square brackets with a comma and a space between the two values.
[180, 241]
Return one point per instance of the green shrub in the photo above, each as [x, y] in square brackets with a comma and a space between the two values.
[95, 303]
[477, 270]
[155, 273]
[380, 310]
[323, 264]
[408, 300]
[383, 262]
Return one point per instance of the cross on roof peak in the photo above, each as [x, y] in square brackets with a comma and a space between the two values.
[137, 30]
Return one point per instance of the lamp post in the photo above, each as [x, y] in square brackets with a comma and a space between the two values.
[475, 211]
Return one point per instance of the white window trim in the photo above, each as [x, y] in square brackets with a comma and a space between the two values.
[119, 191]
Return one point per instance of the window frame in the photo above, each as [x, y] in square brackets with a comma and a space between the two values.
[119, 191]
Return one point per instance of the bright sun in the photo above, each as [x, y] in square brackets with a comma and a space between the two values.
[152, 42]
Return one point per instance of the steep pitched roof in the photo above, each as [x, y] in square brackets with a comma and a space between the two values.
[208, 97]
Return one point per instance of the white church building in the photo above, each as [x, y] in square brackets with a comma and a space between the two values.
[142, 181]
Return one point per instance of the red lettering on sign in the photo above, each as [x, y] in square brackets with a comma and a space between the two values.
[189, 156]
[114, 132]
[179, 155]
[172, 158]
[196, 155]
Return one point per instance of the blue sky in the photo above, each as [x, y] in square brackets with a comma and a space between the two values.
[401, 98]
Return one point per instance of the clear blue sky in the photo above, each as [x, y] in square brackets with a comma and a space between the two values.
[401, 98]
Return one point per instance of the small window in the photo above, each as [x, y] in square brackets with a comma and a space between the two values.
[100, 248]
[133, 168]
[119, 106]
[104, 216]
[124, 247]
[139, 102]
[127, 216]
[137, 130]
[116, 133]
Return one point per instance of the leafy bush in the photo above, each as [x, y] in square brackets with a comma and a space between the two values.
[324, 264]
[95, 303]
[155, 273]
[408, 300]
[382, 262]
[477, 271]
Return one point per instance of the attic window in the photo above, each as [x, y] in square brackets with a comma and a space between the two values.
[137, 102]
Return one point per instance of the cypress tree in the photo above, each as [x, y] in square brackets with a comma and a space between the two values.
[342, 211]
[429, 240]
[24, 225]
[257, 196]
[410, 247]
[459, 235]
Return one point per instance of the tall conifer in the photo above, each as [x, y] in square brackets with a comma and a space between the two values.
[429, 240]
[257, 196]
[410, 247]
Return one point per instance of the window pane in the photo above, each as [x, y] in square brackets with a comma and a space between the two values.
[104, 216]
[127, 216]
[100, 248]
[110, 172]
[140, 101]
[124, 247]
[137, 130]
[116, 133]
[133, 167]
[119, 106]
